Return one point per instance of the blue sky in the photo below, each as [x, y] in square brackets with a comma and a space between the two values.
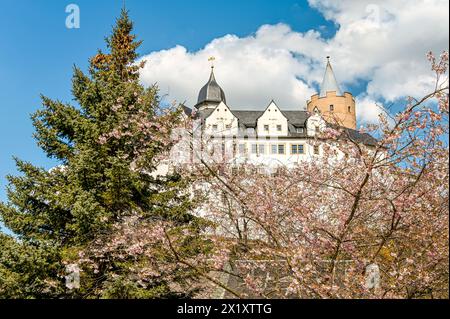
[38, 51]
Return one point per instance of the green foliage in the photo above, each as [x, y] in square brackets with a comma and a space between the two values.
[56, 213]
[26, 270]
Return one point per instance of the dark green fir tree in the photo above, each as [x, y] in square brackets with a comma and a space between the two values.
[57, 213]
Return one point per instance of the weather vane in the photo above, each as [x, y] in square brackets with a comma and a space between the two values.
[212, 59]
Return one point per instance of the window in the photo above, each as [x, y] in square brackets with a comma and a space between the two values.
[331, 108]
[266, 128]
[258, 149]
[298, 149]
[274, 149]
[349, 109]
[316, 150]
[300, 130]
[278, 149]
[262, 149]
[215, 127]
[223, 149]
[228, 126]
[242, 149]
[317, 129]
[279, 128]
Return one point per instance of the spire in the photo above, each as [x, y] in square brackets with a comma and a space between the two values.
[329, 83]
[212, 78]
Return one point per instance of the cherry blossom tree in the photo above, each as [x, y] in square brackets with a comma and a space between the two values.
[359, 221]
[318, 228]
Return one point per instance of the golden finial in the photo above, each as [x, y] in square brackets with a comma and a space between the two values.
[212, 59]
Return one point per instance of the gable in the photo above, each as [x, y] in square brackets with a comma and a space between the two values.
[272, 112]
[221, 116]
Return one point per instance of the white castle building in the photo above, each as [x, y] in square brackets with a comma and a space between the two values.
[272, 136]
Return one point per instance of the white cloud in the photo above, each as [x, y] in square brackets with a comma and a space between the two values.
[368, 110]
[251, 70]
[384, 44]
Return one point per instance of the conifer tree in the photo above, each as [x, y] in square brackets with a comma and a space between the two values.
[104, 177]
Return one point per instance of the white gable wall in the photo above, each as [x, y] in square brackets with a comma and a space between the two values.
[223, 118]
[272, 117]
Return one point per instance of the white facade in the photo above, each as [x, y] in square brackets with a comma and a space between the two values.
[270, 137]
[272, 123]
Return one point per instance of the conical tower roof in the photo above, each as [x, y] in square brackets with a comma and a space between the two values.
[329, 83]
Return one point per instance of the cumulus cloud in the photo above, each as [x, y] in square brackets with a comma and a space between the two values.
[383, 45]
[368, 110]
[251, 70]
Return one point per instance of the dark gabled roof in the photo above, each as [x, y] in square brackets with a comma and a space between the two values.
[297, 118]
[354, 135]
[186, 110]
[247, 118]
[359, 137]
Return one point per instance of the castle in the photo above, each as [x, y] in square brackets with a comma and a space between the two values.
[274, 136]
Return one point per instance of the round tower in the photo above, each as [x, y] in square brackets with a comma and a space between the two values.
[335, 107]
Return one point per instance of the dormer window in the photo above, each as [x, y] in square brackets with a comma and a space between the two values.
[300, 130]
